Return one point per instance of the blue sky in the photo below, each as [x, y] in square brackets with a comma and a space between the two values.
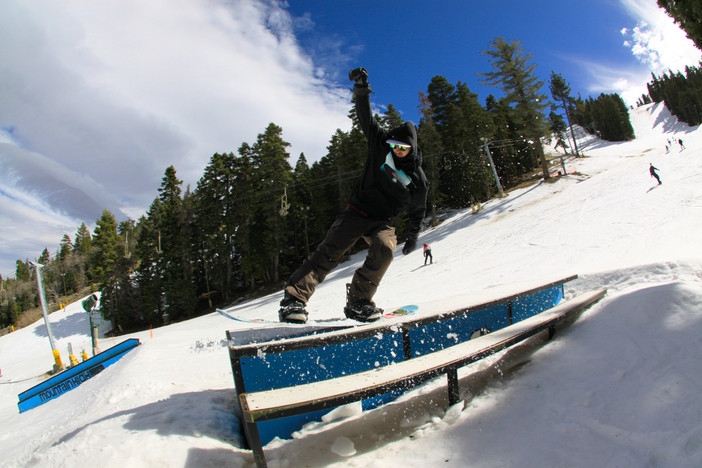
[97, 99]
[405, 44]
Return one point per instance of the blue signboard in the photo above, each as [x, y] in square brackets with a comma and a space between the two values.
[73, 377]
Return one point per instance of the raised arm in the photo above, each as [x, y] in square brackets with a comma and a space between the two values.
[362, 90]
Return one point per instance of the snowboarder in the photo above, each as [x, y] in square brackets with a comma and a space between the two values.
[682, 147]
[392, 182]
[427, 254]
[653, 170]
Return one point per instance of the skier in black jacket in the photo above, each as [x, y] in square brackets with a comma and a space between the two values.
[652, 170]
[392, 182]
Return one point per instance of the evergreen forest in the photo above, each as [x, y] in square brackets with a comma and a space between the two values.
[682, 94]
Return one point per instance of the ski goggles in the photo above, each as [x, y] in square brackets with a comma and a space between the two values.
[402, 147]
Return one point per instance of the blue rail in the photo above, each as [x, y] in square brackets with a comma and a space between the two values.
[73, 377]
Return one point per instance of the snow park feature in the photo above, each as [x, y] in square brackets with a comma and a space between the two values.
[284, 383]
[618, 387]
[73, 377]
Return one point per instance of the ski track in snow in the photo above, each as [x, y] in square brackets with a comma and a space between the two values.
[619, 387]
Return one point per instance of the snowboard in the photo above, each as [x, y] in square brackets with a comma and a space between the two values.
[397, 312]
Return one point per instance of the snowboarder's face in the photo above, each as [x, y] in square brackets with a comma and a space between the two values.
[400, 151]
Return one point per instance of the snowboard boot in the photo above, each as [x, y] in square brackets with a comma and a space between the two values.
[360, 309]
[292, 310]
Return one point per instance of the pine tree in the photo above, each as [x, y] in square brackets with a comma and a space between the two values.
[271, 175]
[45, 257]
[210, 231]
[149, 273]
[103, 261]
[688, 15]
[515, 76]
[513, 156]
[120, 298]
[301, 202]
[65, 248]
[243, 216]
[462, 123]
[560, 91]
[176, 248]
[69, 269]
[476, 125]
[607, 117]
[432, 148]
[127, 230]
[82, 244]
[391, 118]
[81, 251]
[682, 93]
[22, 271]
[104, 254]
[222, 203]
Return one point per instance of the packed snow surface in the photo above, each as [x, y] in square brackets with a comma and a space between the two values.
[620, 387]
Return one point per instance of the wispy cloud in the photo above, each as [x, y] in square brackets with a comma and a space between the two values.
[629, 83]
[656, 40]
[116, 91]
[657, 45]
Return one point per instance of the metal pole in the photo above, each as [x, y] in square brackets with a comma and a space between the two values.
[58, 365]
[42, 299]
[494, 171]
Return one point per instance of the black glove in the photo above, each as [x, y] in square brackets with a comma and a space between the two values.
[359, 75]
[410, 245]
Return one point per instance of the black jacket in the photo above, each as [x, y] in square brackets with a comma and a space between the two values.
[379, 193]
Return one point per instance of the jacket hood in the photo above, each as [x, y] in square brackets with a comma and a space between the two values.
[407, 133]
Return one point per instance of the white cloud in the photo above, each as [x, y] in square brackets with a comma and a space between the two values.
[656, 40]
[630, 83]
[662, 45]
[28, 225]
[656, 43]
[116, 91]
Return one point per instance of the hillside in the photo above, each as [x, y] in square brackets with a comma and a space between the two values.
[620, 387]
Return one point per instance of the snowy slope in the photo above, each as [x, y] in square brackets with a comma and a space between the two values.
[620, 387]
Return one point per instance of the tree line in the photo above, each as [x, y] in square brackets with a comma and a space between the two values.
[253, 218]
[607, 117]
[682, 94]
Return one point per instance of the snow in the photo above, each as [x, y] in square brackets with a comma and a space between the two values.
[619, 387]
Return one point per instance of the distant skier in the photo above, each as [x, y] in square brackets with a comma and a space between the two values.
[682, 147]
[667, 149]
[428, 255]
[653, 170]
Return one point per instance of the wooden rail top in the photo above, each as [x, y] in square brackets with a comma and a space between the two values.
[435, 311]
[282, 402]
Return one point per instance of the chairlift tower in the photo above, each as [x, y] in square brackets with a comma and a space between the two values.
[494, 169]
